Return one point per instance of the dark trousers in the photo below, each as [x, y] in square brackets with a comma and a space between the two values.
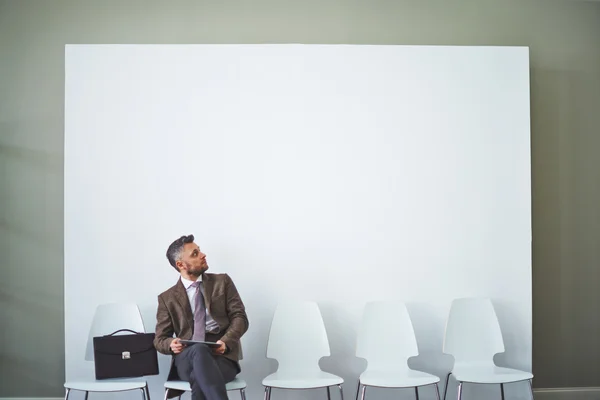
[206, 372]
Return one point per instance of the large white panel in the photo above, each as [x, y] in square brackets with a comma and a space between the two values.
[340, 174]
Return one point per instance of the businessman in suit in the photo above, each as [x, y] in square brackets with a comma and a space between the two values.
[204, 307]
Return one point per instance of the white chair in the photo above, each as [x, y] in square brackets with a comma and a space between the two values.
[473, 337]
[387, 360]
[109, 318]
[236, 384]
[298, 340]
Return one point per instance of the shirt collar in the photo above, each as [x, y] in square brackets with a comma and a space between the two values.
[187, 283]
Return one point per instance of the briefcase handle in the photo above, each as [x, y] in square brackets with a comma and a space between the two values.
[125, 330]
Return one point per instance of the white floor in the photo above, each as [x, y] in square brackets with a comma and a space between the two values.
[540, 394]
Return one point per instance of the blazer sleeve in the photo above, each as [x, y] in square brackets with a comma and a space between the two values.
[236, 311]
[164, 328]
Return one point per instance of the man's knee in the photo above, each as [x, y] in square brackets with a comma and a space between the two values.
[199, 350]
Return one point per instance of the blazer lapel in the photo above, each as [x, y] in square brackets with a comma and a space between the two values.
[182, 299]
[207, 282]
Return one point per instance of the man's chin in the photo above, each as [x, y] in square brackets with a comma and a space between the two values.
[200, 271]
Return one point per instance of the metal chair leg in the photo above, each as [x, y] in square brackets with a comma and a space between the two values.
[437, 391]
[267, 393]
[531, 388]
[86, 395]
[417, 392]
[166, 394]
[341, 392]
[502, 390]
[143, 393]
[67, 391]
[357, 389]
[459, 390]
[328, 394]
[147, 391]
[243, 393]
[362, 397]
[447, 382]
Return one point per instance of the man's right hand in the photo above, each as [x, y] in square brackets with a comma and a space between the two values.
[176, 346]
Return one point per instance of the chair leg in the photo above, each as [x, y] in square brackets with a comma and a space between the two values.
[267, 393]
[67, 393]
[416, 392]
[166, 394]
[143, 393]
[437, 391]
[341, 392]
[362, 397]
[447, 382]
[357, 389]
[328, 394]
[86, 395]
[531, 387]
[243, 393]
[502, 390]
[459, 390]
[147, 391]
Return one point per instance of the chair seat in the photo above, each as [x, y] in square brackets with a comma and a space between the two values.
[489, 374]
[397, 379]
[108, 385]
[236, 384]
[302, 381]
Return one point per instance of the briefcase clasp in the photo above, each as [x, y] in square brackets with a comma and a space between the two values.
[126, 355]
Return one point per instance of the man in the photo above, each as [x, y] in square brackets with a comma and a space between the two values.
[203, 307]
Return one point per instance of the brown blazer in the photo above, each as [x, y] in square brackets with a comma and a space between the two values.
[174, 316]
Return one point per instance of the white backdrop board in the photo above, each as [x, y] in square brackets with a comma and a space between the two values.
[340, 174]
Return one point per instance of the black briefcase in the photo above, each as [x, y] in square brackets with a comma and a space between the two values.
[125, 356]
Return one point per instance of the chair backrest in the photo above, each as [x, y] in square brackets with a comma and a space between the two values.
[472, 331]
[386, 338]
[297, 339]
[109, 318]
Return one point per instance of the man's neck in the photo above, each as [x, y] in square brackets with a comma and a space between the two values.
[192, 278]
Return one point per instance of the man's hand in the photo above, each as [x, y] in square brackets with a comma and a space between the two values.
[221, 350]
[176, 346]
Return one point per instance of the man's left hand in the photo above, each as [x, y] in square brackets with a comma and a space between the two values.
[222, 349]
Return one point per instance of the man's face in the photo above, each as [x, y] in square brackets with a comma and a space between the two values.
[192, 260]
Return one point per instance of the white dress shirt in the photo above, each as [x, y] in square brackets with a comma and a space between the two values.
[211, 325]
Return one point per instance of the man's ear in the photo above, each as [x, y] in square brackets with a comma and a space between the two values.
[179, 265]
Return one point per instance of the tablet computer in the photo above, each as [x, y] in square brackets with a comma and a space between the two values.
[191, 342]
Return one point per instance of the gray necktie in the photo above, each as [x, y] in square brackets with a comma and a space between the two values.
[199, 314]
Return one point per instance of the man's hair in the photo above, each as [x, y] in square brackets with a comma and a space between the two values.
[175, 249]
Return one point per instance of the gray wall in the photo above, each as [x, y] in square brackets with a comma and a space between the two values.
[565, 81]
